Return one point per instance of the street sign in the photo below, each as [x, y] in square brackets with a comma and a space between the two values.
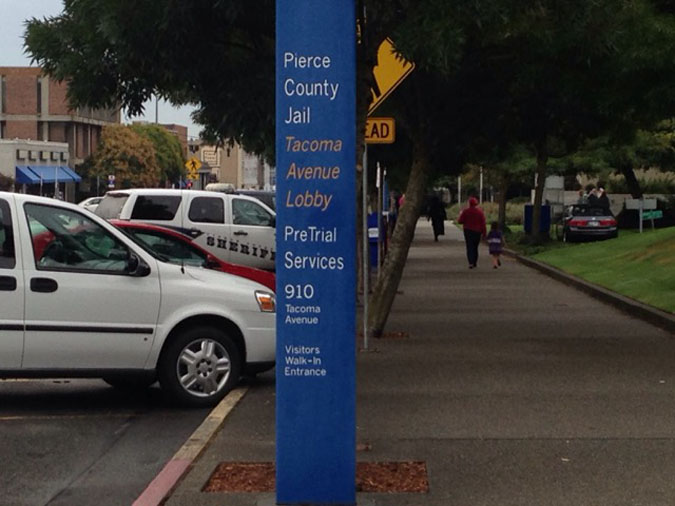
[193, 164]
[111, 180]
[652, 215]
[316, 252]
[640, 203]
[389, 72]
[380, 130]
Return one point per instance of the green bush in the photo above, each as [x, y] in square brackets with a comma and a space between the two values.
[6, 183]
[514, 212]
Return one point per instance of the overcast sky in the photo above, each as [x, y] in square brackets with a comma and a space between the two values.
[14, 13]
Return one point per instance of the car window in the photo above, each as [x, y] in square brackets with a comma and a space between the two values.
[169, 249]
[111, 205]
[246, 212]
[7, 250]
[207, 210]
[589, 211]
[67, 240]
[267, 198]
[155, 207]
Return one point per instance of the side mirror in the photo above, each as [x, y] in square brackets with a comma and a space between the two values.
[211, 262]
[136, 267]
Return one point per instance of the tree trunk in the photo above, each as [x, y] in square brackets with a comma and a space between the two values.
[542, 158]
[503, 188]
[392, 270]
[631, 181]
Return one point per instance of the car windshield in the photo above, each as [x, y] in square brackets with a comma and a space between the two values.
[111, 205]
[166, 247]
[589, 211]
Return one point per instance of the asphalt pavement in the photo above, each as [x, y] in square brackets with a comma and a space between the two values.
[512, 387]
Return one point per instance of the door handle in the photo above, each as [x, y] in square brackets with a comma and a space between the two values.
[241, 232]
[7, 283]
[43, 285]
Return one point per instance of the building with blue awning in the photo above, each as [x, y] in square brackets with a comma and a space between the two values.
[52, 137]
[39, 167]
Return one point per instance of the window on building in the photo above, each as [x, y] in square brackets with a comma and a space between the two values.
[3, 94]
[39, 97]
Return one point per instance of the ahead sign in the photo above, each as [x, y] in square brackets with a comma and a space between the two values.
[380, 130]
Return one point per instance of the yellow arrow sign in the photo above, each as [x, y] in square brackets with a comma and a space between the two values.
[380, 130]
[389, 72]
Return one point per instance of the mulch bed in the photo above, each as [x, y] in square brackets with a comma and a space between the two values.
[381, 477]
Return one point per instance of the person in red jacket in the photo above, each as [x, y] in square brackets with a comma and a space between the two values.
[473, 220]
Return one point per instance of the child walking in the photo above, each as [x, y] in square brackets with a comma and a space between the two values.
[496, 243]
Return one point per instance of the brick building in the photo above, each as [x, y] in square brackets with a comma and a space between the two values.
[181, 133]
[34, 107]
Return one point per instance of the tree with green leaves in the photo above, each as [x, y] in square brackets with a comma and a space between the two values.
[168, 151]
[130, 157]
[6, 182]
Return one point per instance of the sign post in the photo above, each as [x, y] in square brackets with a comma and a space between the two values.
[641, 205]
[316, 251]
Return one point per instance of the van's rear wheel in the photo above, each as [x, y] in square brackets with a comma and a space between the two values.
[199, 367]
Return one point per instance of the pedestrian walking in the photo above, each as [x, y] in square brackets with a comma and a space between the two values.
[496, 243]
[436, 213]
[473, 220]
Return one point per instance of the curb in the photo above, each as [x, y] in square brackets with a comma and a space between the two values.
[165, 482]
[637, 309]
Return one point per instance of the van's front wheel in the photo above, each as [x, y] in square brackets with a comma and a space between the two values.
[199, 367]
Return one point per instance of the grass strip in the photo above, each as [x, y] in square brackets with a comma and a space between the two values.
[639, 266]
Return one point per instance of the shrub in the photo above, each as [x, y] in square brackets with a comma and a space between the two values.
[514, 212]
[6, 183]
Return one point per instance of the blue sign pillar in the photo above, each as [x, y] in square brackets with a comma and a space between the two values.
[316, 267]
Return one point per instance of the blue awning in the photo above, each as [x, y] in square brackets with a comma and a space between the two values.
[26, 176]
[73, 174]
[53, 173]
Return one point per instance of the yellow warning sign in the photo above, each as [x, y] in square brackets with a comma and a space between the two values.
[193, 164]
[380, 130]
[389, 72]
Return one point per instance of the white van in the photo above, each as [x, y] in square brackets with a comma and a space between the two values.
[235, 228]
[79, 298]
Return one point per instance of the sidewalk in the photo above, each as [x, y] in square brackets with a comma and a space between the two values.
[513, 388]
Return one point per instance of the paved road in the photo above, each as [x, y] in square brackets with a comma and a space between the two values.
[80, 442]
[513, 388]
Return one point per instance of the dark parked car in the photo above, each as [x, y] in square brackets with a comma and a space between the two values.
[266, 197]
[586, 222]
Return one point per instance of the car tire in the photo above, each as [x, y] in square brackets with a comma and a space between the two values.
[130, 383]
[199, 367]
